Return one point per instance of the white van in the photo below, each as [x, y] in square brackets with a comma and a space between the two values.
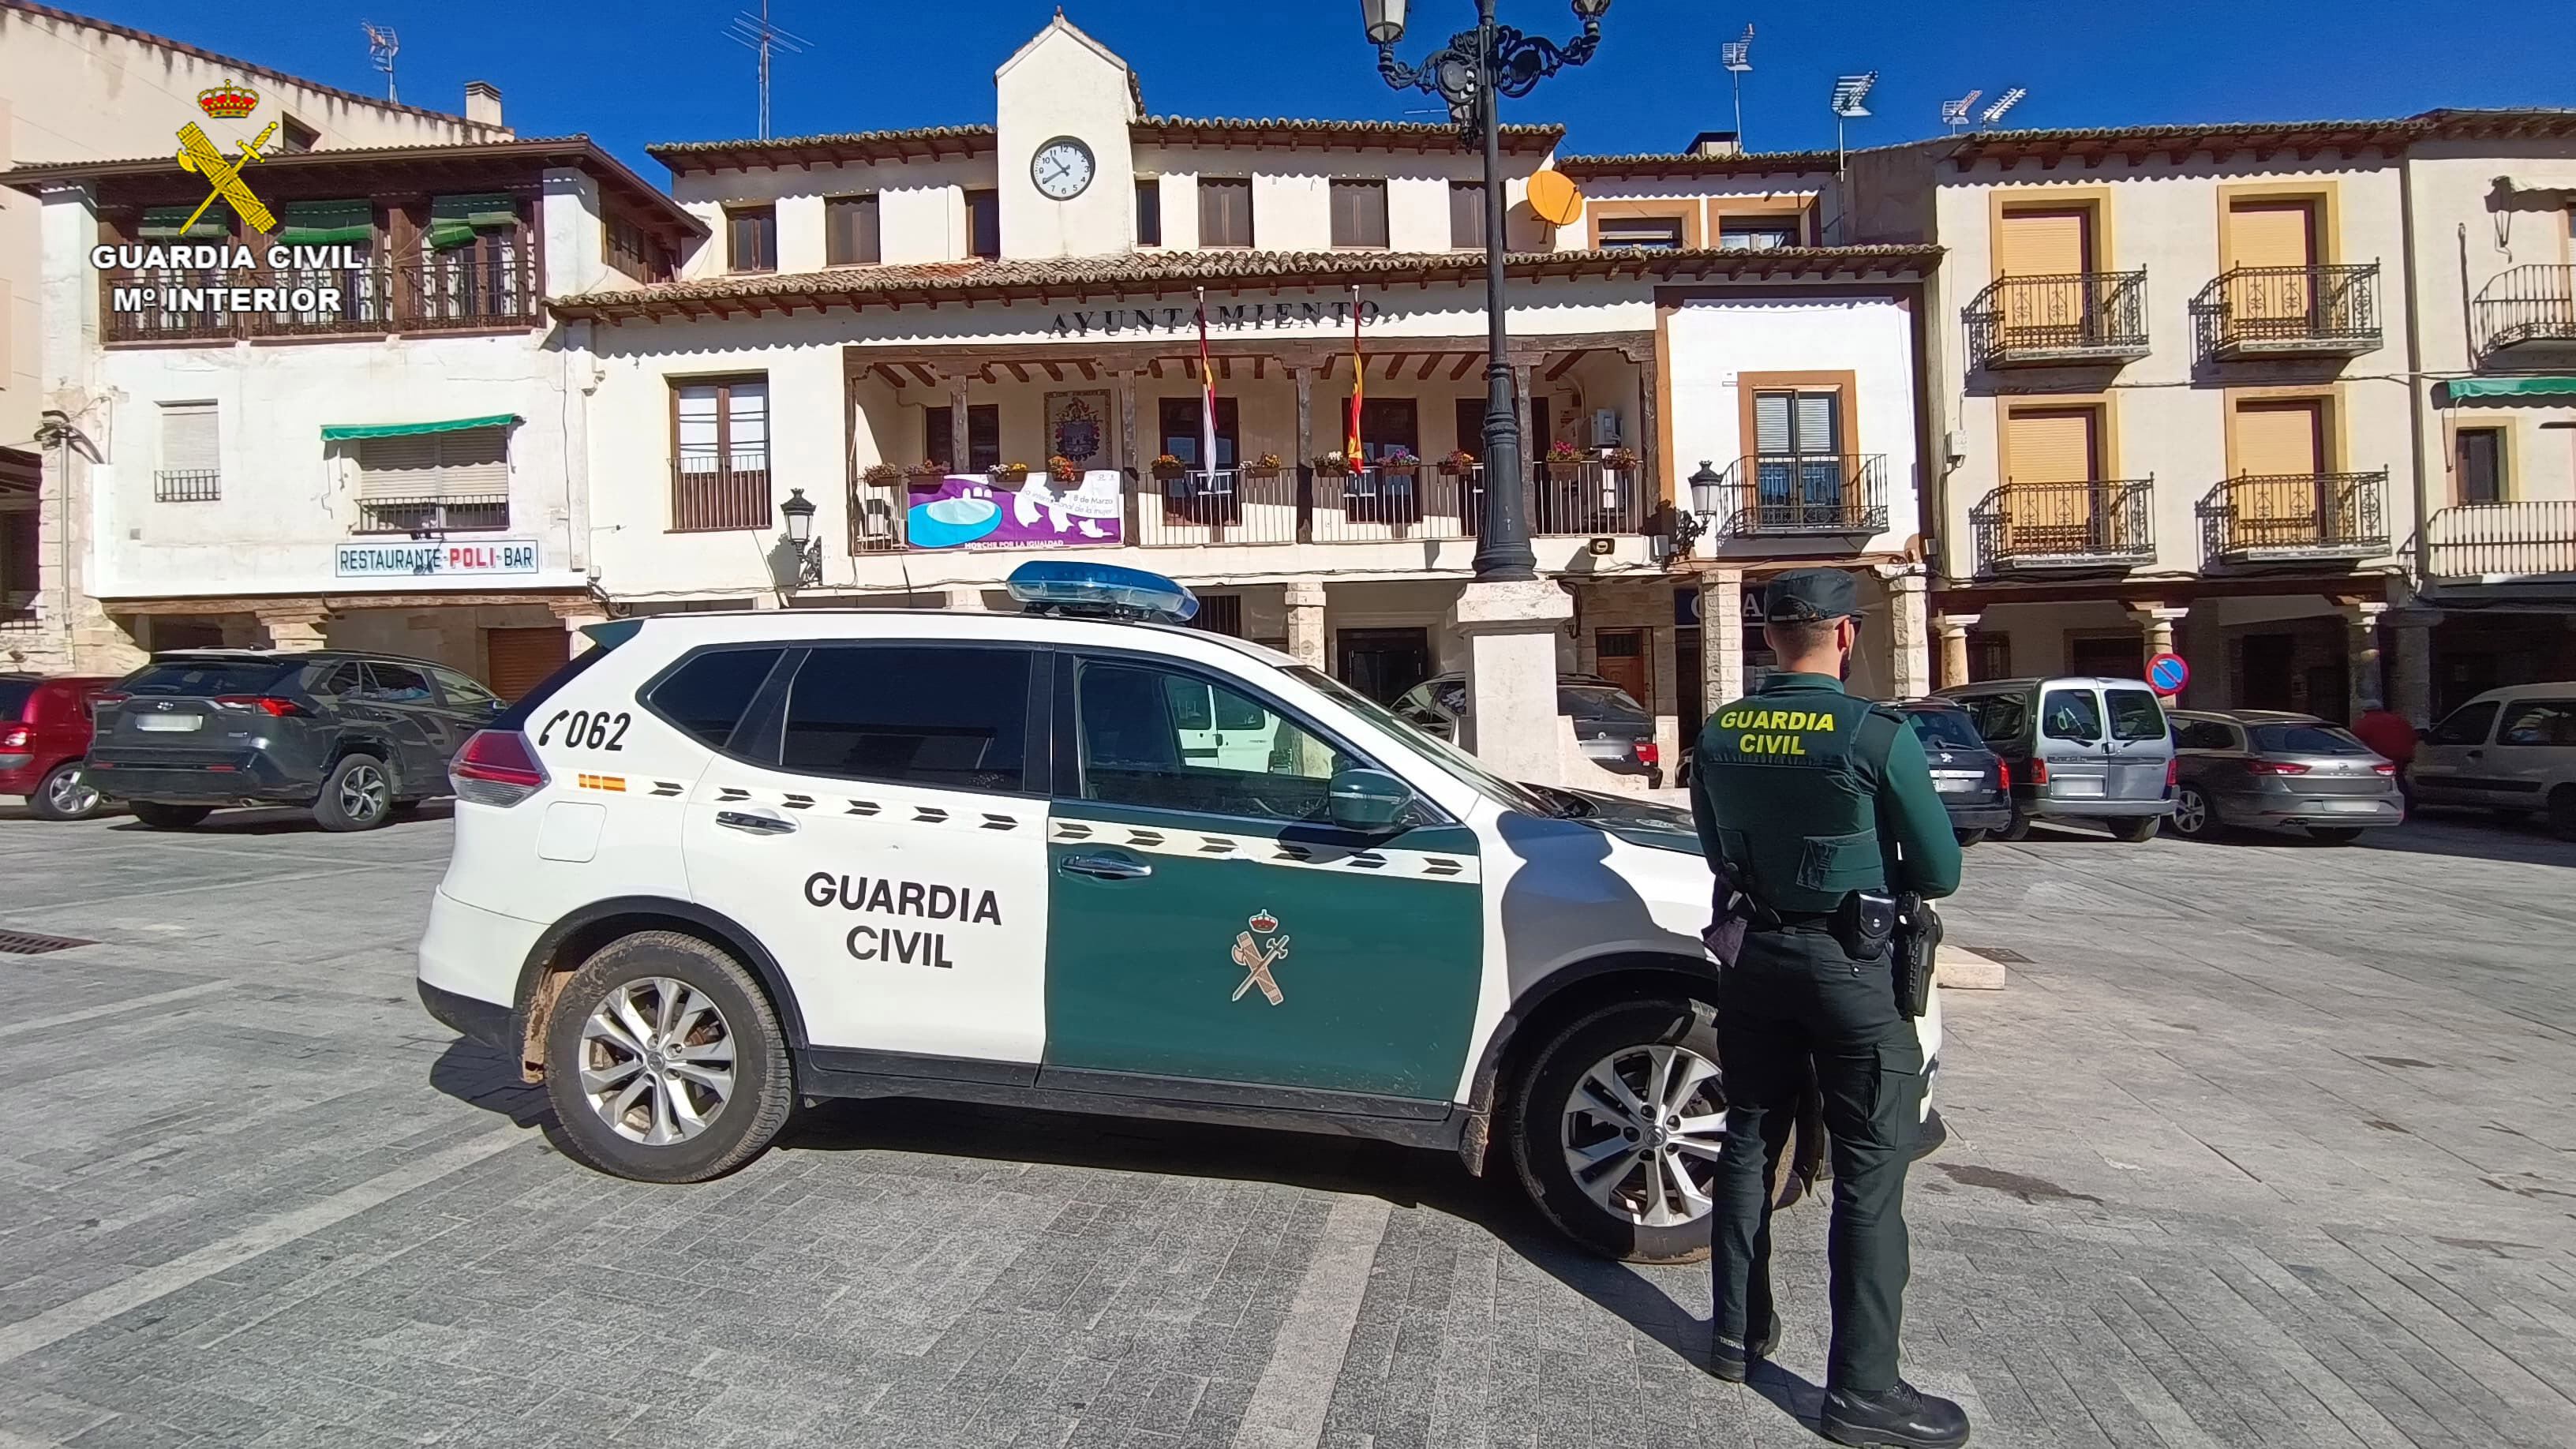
[2512, 750]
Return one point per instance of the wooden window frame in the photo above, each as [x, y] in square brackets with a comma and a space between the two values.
[1358, 186]
[871, 205]
[983, 198]
[1685, 213]
[1847, 383]
[2323, 194]
[1251, 220]
[733, 216]
[1458, 190]
[937, 419]
[2005, 201]
[1149, 211]
[723, 383]
[2106, 430]
[2503, 433]
[2333, 427]
[1229, 427]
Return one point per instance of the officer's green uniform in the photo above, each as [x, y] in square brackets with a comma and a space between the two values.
[1809, 794]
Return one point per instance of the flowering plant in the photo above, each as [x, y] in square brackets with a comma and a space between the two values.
[1564, 451]
[1333, 465]
[1063, 469]
[1011, 473]
[882, 472]
[1458, 464]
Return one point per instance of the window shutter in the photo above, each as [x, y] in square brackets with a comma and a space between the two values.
[697, 419]
[1819, 422]
[2051, 445]
[853, 231]
[1466, 214]
[2053, 243]
[188, 438]
[473, 463]
[1771, 422]
[404, 467]
[468, 465]
[747, 426]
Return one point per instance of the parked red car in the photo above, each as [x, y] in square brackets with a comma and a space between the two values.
[44, 741]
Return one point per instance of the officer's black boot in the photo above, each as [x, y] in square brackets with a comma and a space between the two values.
[1904, 1417]
[1732, 1361]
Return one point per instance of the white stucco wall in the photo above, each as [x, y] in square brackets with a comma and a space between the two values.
[1064, 84]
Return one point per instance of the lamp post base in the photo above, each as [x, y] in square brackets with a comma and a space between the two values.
[1512, 628]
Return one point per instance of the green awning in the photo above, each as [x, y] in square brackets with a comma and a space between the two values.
[341, 432]
[453, 220]
[324, 223]
[163, 223]
[2468, 387]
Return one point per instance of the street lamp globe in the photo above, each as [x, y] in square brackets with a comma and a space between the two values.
[1591, 9]
[798, 511]
[1385, 20]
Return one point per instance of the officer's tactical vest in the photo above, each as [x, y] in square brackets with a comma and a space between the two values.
[1793, 779]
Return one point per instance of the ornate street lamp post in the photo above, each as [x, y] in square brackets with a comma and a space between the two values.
[1470, 73]
[798, 515]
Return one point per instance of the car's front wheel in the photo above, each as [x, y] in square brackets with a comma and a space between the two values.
[168, 817]
[2192, 819]
[65, 794]
[358, 796]
[665, 1061]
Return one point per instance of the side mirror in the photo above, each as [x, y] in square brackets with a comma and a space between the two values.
[1370, 800]
[497, 706]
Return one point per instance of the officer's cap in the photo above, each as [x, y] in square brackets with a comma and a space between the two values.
[1805, 596]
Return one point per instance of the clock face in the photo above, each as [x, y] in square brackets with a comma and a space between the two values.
[1062, 168]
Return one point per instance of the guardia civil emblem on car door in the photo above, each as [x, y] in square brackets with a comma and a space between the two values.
[1256, 951]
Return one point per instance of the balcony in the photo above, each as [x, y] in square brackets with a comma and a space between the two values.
[2295, 518]
[489, 284]
[2259, 312]
[711, 493]
[2502, 542]
[2031, 528]
[2527, 315]
[2086, 317]
[1802, 495]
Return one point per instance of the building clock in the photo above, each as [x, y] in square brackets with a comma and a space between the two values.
[1062, 168]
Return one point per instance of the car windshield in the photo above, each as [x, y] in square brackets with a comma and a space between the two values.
[207, 676]
[1599, 701]
[2304, 739]
[1440, 752]
[1948, 727]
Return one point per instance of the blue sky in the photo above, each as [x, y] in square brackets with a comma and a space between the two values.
[665, 70]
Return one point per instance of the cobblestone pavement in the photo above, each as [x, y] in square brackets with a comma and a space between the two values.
[2266, 1144]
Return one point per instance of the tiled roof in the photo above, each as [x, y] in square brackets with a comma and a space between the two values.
[1398, 135]
[913, 143]
[1152, 274]
[929, 141]
[1690, 163]
[2221, 138]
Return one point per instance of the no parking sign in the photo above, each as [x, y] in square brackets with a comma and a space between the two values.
[2168, 674]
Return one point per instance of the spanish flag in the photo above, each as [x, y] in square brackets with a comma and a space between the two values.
[1207, 394]
[1359, 383]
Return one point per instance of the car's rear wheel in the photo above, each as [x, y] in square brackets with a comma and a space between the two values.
[168, 817]
[665, 1062]
[1970, 837]
[2135, 831]
[2192, 819]
[65, 794]
[2018, 829]
[2334, 834]
[359, 795]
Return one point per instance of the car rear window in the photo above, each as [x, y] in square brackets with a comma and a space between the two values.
[945, 718]
[1599, 701]
[708, 695]
[1944, 727]
[2304, 739]
[2135, 715]
[209, 676]
[2072, 714]
[13, 697]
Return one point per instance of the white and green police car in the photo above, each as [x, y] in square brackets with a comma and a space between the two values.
[1072, 858]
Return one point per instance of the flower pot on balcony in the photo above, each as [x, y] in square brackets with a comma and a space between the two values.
[1256, 473]
[1400, 468]
[1564, 470]
[1167, 472]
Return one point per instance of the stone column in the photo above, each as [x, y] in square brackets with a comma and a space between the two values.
[1306, 635]
[1953, 631]
[2411, 678]
[2361, 626]
[1909, 656]
[1512, 724]
[1721, 637]
[294, 628]
[2156, 630]
[1304, 377]
[1521, 414]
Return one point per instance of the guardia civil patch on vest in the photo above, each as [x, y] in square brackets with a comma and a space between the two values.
[1752, 730]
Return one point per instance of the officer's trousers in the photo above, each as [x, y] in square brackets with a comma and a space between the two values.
[1793, 997]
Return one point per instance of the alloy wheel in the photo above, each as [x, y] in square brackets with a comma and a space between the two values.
[657, 1061]
[364, 794]
[1642, 1132]
[71, 793]
[2191, 812]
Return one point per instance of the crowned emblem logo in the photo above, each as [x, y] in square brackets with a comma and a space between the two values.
[228, 102]
[1257, 956]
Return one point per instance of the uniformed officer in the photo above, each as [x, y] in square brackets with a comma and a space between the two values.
[1808, 795]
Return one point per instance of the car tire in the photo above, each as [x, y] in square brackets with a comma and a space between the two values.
[358, 795]
[2562, 812]
[2135, 832]
[168, 817]
[2334, 834]
[1970, 837]
[2193, 819]
[609, 1098]
[2019, 829]
[1628, 1040]
[65, 795]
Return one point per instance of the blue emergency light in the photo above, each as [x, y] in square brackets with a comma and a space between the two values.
[1100, 591]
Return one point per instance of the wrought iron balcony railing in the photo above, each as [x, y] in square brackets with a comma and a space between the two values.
[710, 492]
[1780, 494]
[2527, 308]
[2093, 317]
[2294, 516]
[2473, 541]
[2029, 527]
[2289, 312]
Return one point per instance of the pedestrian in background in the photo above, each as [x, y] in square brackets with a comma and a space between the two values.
[1821, 808]
[2388, 733]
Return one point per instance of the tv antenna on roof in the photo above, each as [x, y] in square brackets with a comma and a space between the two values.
[2003, 103]
[756, 33]
[1954, 114]
[382, 44]
[1737, 55]
[1849, 92]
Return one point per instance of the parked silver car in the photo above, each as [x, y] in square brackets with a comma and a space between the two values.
[1614, 730]
[2277, 771]
[2512, 750]
[2078, 749]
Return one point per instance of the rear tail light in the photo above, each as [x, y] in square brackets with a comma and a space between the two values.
[1648, 752]
[496, 767]
[2385, 767]
[2039, 772]
[2003, 774]
[2173, 773]
[2274, 767]
[13, 738]
[267, 704]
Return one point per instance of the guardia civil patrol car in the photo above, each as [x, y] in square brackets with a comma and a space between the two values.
[1076, 858]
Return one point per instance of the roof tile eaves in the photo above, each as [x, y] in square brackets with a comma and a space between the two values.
[662, 149]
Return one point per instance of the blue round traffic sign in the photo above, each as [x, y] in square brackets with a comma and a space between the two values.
[2168, 673]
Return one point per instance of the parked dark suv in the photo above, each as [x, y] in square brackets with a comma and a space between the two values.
[353, 737]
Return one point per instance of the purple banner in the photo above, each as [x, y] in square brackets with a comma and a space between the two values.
[1040, 513]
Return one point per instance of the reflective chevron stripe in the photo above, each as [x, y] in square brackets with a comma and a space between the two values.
[1266, 850]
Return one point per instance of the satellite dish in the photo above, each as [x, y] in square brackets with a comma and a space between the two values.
[1554, 198]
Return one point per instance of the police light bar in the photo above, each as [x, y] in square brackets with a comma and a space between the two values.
[1100, 591]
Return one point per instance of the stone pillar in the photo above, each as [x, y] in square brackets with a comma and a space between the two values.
[2411, 678]
[1306, 635]
[296, 629]
[958, 461]
[1909, 654]
[1511, 629]
[577, 619]
[1521, 415]
[2156, 630]
[1721, 637]
[1304, 377]
[1953, 631]
[2361, 626]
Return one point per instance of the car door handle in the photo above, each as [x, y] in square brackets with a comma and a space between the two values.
[750, 824]
[1104, 867]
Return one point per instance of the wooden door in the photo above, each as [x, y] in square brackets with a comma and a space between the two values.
[520, 659]
[2280, 453]
[1623, 661]
[2056, 456]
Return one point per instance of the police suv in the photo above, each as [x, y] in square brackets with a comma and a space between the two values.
[1077, 858]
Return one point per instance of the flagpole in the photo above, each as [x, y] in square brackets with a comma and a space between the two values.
[1353, 445]
[1207, 394]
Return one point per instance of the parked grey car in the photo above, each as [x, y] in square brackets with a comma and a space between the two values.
[352, 737]
[1614, 730]
[2272, 770]
[2078, 749]
[2512, 750]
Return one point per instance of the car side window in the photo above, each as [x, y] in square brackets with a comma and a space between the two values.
[707, 696]
[349, 678]
[2202, 734]
[2539, 722]
[2071, 714]
[943, 718]
[462, 692]
[1230, 754]
[2467, 725]
[391, 683]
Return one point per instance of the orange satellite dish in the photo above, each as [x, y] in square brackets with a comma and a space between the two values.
[1553, 197]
